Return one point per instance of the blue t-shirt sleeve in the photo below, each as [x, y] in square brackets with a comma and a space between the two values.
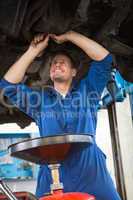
[99, 74]
[23, 97]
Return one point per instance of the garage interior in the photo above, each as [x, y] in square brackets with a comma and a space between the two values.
[109, 22]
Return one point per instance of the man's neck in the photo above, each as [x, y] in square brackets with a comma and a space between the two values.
[62, 88]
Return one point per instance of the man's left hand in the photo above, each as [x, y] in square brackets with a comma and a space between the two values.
[59, 39]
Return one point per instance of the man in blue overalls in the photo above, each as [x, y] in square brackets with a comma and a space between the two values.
[67, 107]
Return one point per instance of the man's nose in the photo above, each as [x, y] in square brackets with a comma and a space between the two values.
[58, 64]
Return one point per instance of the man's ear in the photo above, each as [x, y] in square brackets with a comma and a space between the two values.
[74, 72]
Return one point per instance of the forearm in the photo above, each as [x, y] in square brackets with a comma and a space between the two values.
[94, 50]
[16, 72]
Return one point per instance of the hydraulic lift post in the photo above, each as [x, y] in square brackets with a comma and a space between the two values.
[117, 157]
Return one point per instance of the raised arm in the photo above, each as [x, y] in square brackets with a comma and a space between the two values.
[94, 50]
[100, 69]
[16, 72]
[20, 95]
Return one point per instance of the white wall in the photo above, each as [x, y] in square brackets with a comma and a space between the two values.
[125, 127]
[103, 139]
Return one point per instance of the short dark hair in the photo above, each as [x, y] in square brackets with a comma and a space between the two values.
[74, 61]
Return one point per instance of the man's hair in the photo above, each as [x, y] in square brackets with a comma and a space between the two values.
[74, 61]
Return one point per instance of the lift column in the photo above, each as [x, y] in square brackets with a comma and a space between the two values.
[117, 158]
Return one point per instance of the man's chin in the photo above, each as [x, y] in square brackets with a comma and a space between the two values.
[58, 79]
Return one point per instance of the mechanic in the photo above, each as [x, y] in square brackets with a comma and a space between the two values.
[67, 107]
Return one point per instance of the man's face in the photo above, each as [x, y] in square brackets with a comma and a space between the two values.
[61, 69]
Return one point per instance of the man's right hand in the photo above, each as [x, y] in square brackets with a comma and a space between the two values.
[16, 72]
[38, 44]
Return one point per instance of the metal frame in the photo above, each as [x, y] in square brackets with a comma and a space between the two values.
[6, 190]
[117, 157]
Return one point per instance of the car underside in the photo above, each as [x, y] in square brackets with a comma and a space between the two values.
[107, 21]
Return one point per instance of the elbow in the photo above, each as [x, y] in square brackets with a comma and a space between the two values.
[101, 55]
